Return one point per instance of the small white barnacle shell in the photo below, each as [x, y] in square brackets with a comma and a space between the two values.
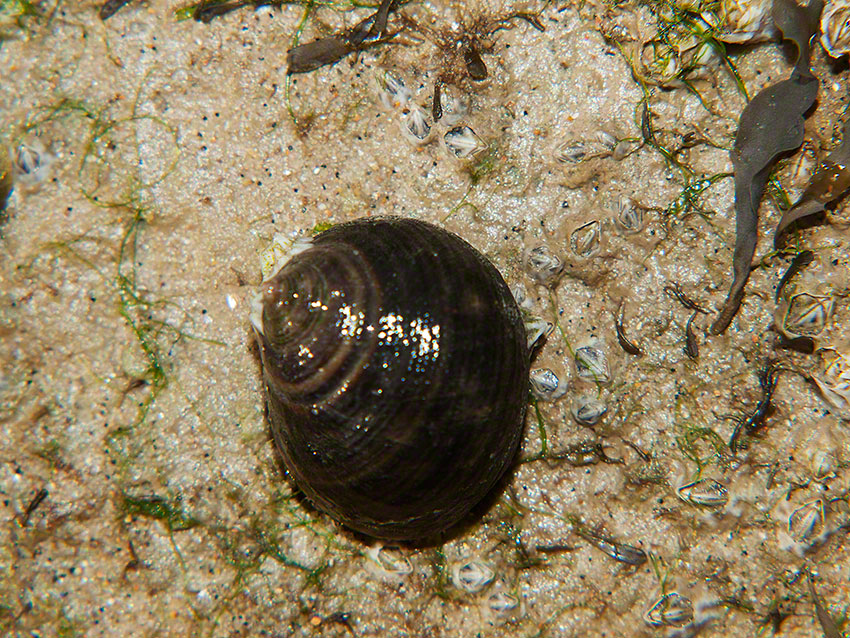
[588, 410]
[521, 297]
[388, 563]
[835, 27]
[414, 124]
[834, 383]
[500, 602]
[571, 152]
[392, 91]
[274, 257]
[545, 384]
[536, 330]
[740, 21]
[807, 314]
[705, 492]
[586, 240]
[453, 108]
[463, 142]
[544, 265]
[660, 61]
[592, 363]
[671, 610]
[31, 163]
[471, 575]
[574, 151]
[628, 217]
[806, 523]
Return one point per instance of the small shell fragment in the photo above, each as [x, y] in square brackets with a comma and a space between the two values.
[545, 384]
[586, 240]
[592, 364]
[588, 410]
[705, 492]
[544, 265]
[463, 142]
[671, 610]
[471, 576]
[835, 28]
[807, 522]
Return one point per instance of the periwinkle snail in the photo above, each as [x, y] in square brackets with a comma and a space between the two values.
[396, 369]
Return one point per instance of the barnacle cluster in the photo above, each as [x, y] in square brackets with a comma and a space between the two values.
[420, 126]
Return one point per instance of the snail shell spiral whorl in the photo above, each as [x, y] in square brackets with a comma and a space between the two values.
[396, 368]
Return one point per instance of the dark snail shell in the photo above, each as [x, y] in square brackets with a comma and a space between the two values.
[396, 369]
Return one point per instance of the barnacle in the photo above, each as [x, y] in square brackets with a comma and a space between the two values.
[500, 602]
[705, 492]
[544, 265]
[834, 383]
[414, 124]
[588, 410]
[388, 563]
[31, 162]
[807, 522]
[586, 240]
[576, 151]
[463, 142]
[628, 217]
[592, 363]
[744, 21]
[392, 91]
[807, 314]
[835, 28]
[671, 610]
[471, 576]
[545, 384]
